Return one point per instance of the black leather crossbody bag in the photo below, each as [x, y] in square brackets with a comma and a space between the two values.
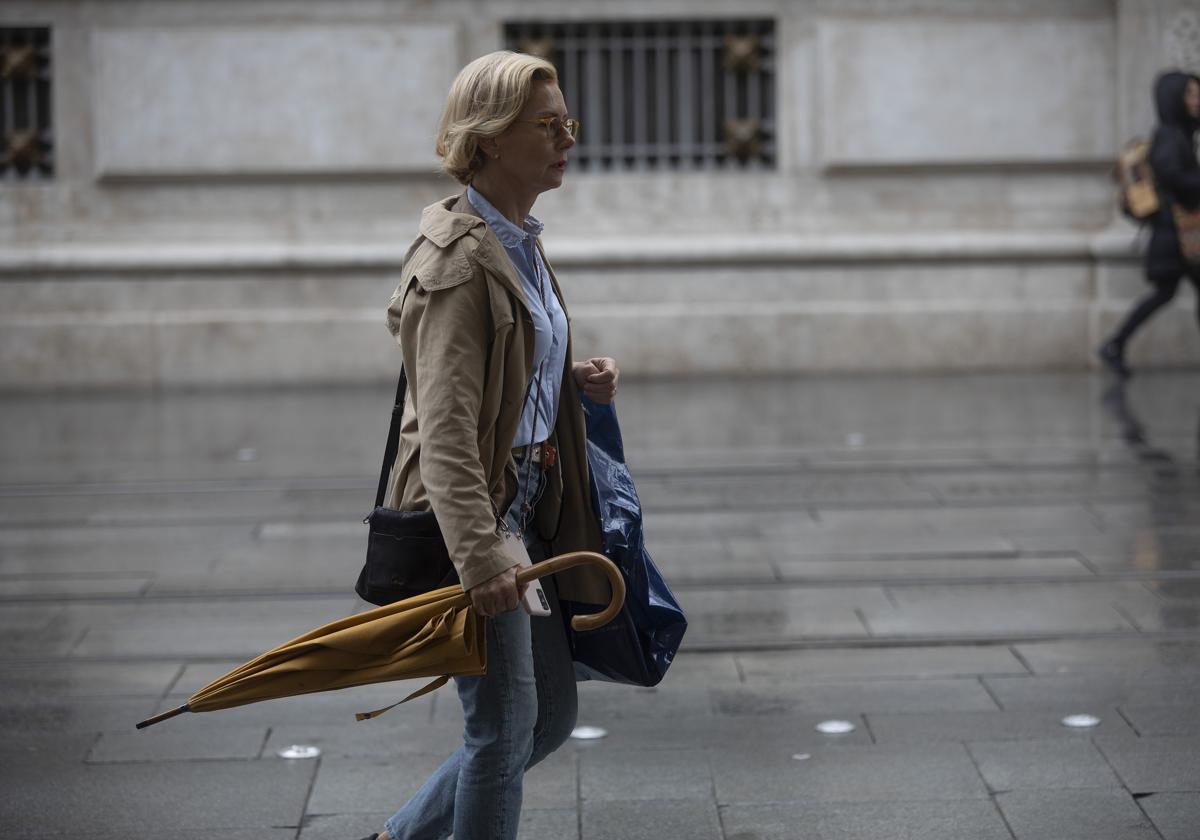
[406, 553]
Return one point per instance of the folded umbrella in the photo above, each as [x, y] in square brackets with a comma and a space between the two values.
[436, 634]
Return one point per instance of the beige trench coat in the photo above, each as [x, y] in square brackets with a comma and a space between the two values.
[463, 325]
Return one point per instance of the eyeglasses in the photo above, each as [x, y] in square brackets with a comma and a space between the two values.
[553, 125]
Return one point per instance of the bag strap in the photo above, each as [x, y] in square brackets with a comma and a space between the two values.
[393, 439]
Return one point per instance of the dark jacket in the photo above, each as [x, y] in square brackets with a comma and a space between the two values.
[1176, 172]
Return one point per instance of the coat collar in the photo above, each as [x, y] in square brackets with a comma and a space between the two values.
[451, 219]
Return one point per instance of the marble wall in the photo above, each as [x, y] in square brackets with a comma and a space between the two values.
[236, 184]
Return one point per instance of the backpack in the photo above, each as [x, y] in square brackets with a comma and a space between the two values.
[1136, 193]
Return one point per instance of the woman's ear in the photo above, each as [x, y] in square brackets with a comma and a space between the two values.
[489, 147]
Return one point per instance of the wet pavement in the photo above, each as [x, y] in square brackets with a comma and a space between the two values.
[953, 564]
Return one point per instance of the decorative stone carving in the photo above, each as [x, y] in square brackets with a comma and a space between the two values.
[743, 138]
[22, 150]
[742, 53]
[19, 62]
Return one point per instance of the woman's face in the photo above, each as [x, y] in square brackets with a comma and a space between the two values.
[1191, 99]
[530, 157]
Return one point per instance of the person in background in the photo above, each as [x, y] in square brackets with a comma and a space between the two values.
[1177, 177]
[493, 436]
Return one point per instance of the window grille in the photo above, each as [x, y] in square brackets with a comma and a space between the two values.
[663, 95]
[26, 142]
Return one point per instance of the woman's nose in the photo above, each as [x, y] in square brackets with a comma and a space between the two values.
[566, 141]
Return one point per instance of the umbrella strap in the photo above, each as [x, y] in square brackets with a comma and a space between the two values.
[433, 686]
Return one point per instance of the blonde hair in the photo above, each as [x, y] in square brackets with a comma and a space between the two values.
[485, 99]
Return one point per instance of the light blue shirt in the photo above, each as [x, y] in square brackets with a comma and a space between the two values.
[549, 319]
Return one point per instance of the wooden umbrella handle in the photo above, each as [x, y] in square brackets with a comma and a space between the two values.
[582, 558]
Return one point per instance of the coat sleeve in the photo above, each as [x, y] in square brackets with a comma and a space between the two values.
[1167, 158]
[446, 352]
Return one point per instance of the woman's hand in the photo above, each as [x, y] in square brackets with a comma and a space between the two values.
[496, 595]
[597, 378]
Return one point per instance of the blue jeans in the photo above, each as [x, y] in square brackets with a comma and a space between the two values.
[516, 714]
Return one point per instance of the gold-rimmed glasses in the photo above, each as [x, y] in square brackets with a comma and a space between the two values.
[553, 125]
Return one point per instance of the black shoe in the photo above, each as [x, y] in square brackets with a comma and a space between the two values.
[1113, 357]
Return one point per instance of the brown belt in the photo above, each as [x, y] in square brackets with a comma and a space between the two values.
[540, 453]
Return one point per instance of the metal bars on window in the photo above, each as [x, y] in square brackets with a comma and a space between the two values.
[663, 95]
[26, 141]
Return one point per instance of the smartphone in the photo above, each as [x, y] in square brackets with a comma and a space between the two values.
[534, 600]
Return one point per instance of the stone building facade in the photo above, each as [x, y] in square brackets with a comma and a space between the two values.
[221, 192]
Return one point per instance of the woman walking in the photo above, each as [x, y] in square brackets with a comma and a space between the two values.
[493, 436]
[1177, 178]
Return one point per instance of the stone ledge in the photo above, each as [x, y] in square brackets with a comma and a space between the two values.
[1113, 243]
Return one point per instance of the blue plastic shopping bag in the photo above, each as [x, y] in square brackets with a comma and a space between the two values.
[637, 647]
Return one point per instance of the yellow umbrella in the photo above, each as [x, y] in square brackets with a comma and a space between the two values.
[436, 634]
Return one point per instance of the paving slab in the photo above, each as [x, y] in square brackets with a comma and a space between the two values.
[721, 734]
[850, 774]
[1130, 656]
[1075, 815]
[202, 795]
[1175, 815]
[996, 521]
[549, 824]
[554, 783]
[681, 568]
[341, 826]
[237, 628]
[75, 714]
[878, 663]
[996, 485]
[361, 739]
[988, 610]
[536, 824]
[375, 785]
[122, 551]
[151, 834]
[897, 729]
[369, 785]
[1100, 689]
[86, 679]
[907, 569]
[1164, 720]
[36, 631]
[186, 505]
[72, 585]
[644, 774]
[279, 564]
[774, 491]
[22, 747]
[748, 615]
[1154, 764]
[1153, 512]
[854, 697]
[1042, 764]
[663, 819]
[965, 820]
[695, 668]
[166, 743]
[789, 541]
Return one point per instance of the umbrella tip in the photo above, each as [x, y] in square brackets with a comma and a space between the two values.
[164, 716]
